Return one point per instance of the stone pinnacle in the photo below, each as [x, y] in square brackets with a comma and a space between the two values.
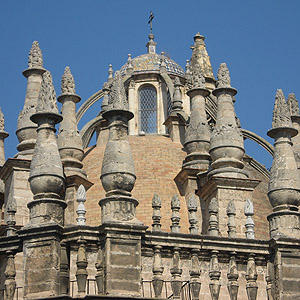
[35, 58]
[47, 96]
[67, 82]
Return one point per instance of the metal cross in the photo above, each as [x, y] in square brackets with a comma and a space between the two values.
[151, 17]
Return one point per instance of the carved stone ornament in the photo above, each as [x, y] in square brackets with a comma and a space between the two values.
[67, 82]
[293, 105]
[281, 112]
[223, 77]
[47, 96]
[198, 78]
[81, 198]
[157, 270]
[156, 205]
[117, 99]
[213, 222]
[35, 58]
[1, 121]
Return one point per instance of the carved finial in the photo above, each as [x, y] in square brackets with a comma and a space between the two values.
[175, 206]
[198, 78]
[293, 105]
[231, 219]
[1, 120]
[156, 205]
[81, 198]
[213, 223]
[117, 99]
[281, 112]
[105, 100]
[192, 208]
[177, 99]
[67, 82]
[47, 96]
[187, 67]
[35, 58]
[110, 74]
[223, 77]
[163, 65]
[249, 212]
[11, 216]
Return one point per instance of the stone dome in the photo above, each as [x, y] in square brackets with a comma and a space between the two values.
[150, 62]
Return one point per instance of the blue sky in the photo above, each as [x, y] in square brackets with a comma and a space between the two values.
[259, 41]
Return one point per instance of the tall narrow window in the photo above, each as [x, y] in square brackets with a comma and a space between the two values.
[148, 110]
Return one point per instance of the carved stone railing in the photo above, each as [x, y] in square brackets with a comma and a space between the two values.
[227, 267]
[175, 265]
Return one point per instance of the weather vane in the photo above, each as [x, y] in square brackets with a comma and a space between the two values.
[151, 17]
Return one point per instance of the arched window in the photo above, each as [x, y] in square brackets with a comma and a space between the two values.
[148, 110]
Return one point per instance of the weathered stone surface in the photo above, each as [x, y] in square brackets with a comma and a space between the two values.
[197, 137]
[26, 129]
[226, 144]
[284, 185]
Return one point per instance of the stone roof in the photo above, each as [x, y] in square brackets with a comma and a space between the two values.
[150, 62]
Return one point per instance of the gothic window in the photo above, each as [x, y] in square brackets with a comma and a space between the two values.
[148, 110]
[169, 103]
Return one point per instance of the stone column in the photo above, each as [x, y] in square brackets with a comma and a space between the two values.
[70, 146]
[26, 129]
[227, 179]
[41, 237]
[121, 229]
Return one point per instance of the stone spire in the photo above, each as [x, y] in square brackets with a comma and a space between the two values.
[67, 82]
[151, 45]
[293, 105]
[69, 141]
[118, 174]
[197, 136]
[129, 69]
[26, 129]
[105, 100]
[46, 210]
[177, 98]
[226, 144]
[201, 58]
[295, 116]
[35, 58]
[46, 173]
[284, 184]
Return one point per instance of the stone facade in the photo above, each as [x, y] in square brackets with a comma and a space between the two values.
[167, 204]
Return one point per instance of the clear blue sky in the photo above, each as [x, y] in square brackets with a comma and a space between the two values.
[259, 41]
